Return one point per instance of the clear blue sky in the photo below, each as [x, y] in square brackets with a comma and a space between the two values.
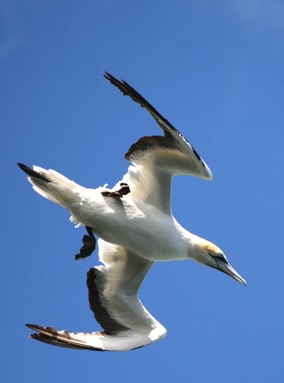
[215, 70]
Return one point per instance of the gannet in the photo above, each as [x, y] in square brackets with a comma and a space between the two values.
[136, 228]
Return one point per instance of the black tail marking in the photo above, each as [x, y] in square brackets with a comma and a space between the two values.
[32, 173]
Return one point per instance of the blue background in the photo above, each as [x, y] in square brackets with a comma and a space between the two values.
[215, 70]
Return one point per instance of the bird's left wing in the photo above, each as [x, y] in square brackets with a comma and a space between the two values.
[158, 158]
[113, 297]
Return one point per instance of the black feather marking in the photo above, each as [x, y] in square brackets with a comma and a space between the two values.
[49, 335]
[95, 283]
[220, 258]
[128, 90]
[32, 173]
[147, 143]
[168, 128]
[89, 245]
[197, 155]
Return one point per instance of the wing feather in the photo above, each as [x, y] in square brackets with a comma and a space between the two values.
[158, 158]
[175, 137]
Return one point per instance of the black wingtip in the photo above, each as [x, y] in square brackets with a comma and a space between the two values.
[122, 85]
[128, 90]
[32, 326]
[113, 80]
[32, 173]
[107, 75]
[110, 77]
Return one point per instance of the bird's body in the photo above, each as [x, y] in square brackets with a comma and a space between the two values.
[155, 235]
[136, 228]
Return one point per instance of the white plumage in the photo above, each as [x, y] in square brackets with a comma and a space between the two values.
[136, 229]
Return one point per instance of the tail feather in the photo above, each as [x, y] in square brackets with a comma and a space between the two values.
[31, 172]
[50, 184]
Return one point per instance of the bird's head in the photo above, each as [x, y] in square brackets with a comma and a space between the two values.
[210, 255]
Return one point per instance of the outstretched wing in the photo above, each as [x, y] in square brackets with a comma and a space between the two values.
[113, 297]
[158, 158]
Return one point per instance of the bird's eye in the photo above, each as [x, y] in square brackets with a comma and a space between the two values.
[220, 258]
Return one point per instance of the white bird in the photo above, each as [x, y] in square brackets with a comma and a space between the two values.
[136, 229]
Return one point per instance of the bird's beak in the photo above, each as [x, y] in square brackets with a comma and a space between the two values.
[228, 269]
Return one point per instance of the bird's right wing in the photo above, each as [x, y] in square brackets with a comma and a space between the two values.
[113, 297]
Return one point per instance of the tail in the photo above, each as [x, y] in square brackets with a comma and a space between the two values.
[51, 184]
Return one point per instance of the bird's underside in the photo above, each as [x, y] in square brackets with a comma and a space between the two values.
[113, 286]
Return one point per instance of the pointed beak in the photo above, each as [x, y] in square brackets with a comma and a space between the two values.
[228, 269]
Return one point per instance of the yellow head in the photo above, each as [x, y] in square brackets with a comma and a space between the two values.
[211, 255]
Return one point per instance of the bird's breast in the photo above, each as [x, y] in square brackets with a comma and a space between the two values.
[138, 226]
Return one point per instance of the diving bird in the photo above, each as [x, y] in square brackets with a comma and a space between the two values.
[136, 228]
